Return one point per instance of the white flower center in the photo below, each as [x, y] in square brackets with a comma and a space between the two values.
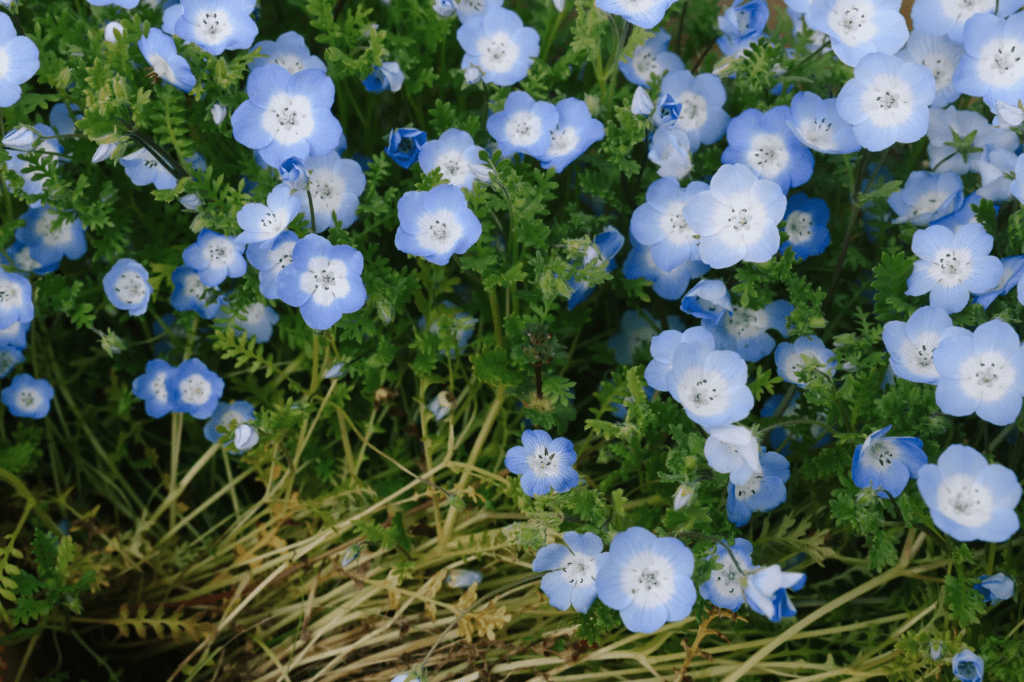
[162, 68]
[1002, 57]
[325, 280]
[888, 101]
[498, 52]
[194, 287]
[273, 223]
[195, 390]
[230, 416]
[214, 26]
[255, 313]
[745, 323]
[288, 118]
[29, 398]
[817, 132]
[218, 252]
[11, 295]
[23, 260]
[649, 579]
[53, 236]
[799, 227]
[542, 462]
[453, 167]
[703, 392]
[281, 257]
[750, 488]
[523, 128]
[928, 202]
[960, 498]
[693, 111]
[962, 10]
[644, 63]
[579, 569]
[853, 21]
[563, 141]
[952, 267]
[130, 288]
[290, 62]
[917, 353]
[158, 387]
[674, 226]
[439, 231]
[987, 376]
[768, 155]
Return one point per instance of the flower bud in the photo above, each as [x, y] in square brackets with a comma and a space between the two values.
[642, 104]
[112, 30]
[192, 202]
[334, 371]
[444, 8]
[21, 138]
[1010, 115]
[683, 496]
[473, 74]
[481, 172]
[218, 111]
[246, 437]
[462, 577]
[441, 405]
[293, 173]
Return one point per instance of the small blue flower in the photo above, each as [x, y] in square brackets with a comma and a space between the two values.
[575, 132]
[524, 125]
[995, 588]
[194, 389]
[160, 52]
[256, 319]
[762, 492]
[806, 227]
[968, 666]
[700, 99]
[15, 299]
[151, 387]
[143, 169]
[926, 197]
[726, 585]
[659, 223]
[245, 438]
[324, 281]
[436, 224]
[454, 153]
[289, 51]
[636, 330]
[911, 344]
[217, 25]
[270, 258]
[764, 143]
[953, 265]
[859, 27]
[606, 246]
[790, 358]
[52, 235]
[15, 335]
[19, 61]
[669, 284]
[387, 76]
[658, 373]
[648, 580]
[335, 185]
[643, 13]
[939, 18]
[127, 286]
[28, 397]
[741, 25]
[746, 331]
[1013, 270]
[10, 357]
[190, 293]
[766, 592]
[941, 56]
[215, 257]
[887, 464]
[817, 124]
[499, 45]
[287, 114]
[711, 385]
[404, 145]
[666, 110]
[293, 174]
[981, 373]
[263, 223]
[543, 464]
[653, 58]
[970, 499]
[462, 578]
[991, 68]
[228, 415]
[669, 150]
[733, 450]
[572, 570]
[709, 299]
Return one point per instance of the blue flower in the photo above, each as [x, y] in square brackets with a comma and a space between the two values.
[270, 258]
[245, 438]
[708, 300]
[387, 76]
[741, 25]
[127, 286]
[151, 387]
[643, 13]
[858, 28]
[217, 25]
[763, 142]
[791, 358]
[160, 52]
[10, 357]
[143, 169]
[636, 330]
[953, 265]
[996, 588]
[572, 570]
[991, 68]
[454, 153]
[52, 235]
[733, 450]
[648, 580]
[287, 114]
[1013, 270]
[659, 223]
[524, 125]
[436, 224]
[940, 55]
[666, 110]
[293, 174]
[229, 416]
[911, 344]
[968, 666]
[746, 331]
[982, 373]
[19, 58]
[15, 299]
[939, 18]
[256, 319]
[335, 185]
[575, 132]
[887, 464]
[542, 463]
[606, 245]
[323, 280]
[726, 585]
[194, 389]
[462, 578]
[669, 284]
[711, 385]
[263, 223]
[762, 492]
[927, 197]
[28, 397]
[766, 592]
[817, 124]
[215, 257]
[404, 145]
[942, 155]
[658, 373]
[806, 227]
[737, 218]
[653, 58]
[670, 152]
[15, 335]
[127, 4]
[887, 101]
[499, 45]
[289, 51]
[700, 100]
[19, 255]
[190, 293]
[970, 499]
[49, 148]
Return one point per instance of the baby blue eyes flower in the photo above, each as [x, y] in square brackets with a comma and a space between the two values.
[887, 464]
[763, 491]
[160, 52]
[28, 397]
[575, 131]
[127, 286]
[746, 331]
[790, 358]
[15, 300]
[256, 319]
[245, 438]
[524, 125]
[737, 218]
[926, 197]
[968, 666]
[943, 124]
[215, 257]
[191, 294]
[669, 284]
[700, 100]
[454, 153]
[19, 61]
[335, 185]
[659, 223]
[404, 145]
[52, 235]
[636, 329]
[992, 68]
[143, 169]
[643, 13]
[725, 588]
[462, 578]
[944, 18]
[323, 280]
[264, 222]
[217, 25]
[289, 51]
[911, 344]
[572, 570]
[970, 499]
[711, 385]
[733, 450]
[763, 142]
[499, 45]
[387, 76]
[741, 25]
[543, 464]
[996, 588]
[648, 580]
[151, 387]
[766, 592]
[10, 357]
[658, 373]
[859, 27]
[817, 124]
[287, 114]
[953, 265]
[1013, 269]
[708, 300]
[806, 227]
[670, 152]
[653, 58]
[270, 258]
[436, 224]
[229, 416]
[887, 101]
[192, 388]
[293, 174]
[981, 373]
[941, 56]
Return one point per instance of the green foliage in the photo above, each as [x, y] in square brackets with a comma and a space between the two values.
[57, 581]
[964, 604]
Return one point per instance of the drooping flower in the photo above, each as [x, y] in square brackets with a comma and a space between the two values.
[643, 13]
[229, 416]
[953, 265]
[151, 387]
[499, 45]
[19, 61]
[1013, 270]
[191, 294]
[653, 58]
[733, 450]
[790, 358]
[817, 124]
[762, 491]
[335, 185]
[217, 25]
[992, 67]
[28, 397]
[970, 499]
[574, 133]
[858, 28]
[700, 100]
[911, 344]
[806, 227]
[404, 145]
[142, 168]
[647, 579]
[15, 299]
[572, 570]
[725, 588]
[887, 463]
[995, 588]
[741, 24]
[766, 592]
[524, 125]
[658, 373]
[542, 463]
[324, 281]
[127, 286]
[711, 385]
[194, 389]
[215, 257]
[968, 666]
[436, 224]
[289, 51]
[709, 299]
[926, 197]
[160, 52]
[262, 223]
[453, 152]
[387, 76]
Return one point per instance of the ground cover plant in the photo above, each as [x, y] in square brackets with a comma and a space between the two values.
[483, 340]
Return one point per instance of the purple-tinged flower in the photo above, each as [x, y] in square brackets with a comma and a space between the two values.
[982, 373]
[766, 592]
[194, 389]
[499, 45]
[127, 286]
[264, 222]
[572, 570]
[995, 588]
[790, 358]
[542, 463]
[524, 125]
[575, 131]
[323, 281]
[436, 224]
[911, 344]
[953, 265]
[28, 397]
[19, 61]
[741, 25]
[404, 145]
[992, 68]
[725, 588]
[160, 52]
[887, 463]
[215, 257]
[289, 51]
[762, 491]
[817, 124]
[653, 58]
[858, 28]
[217, 25]
[151, 387]
[190, 293]
[454, 153]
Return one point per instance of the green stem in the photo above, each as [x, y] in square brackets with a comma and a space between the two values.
[499, 335]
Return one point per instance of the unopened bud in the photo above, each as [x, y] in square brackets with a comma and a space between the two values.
[473, 74]
[444, 8]
[642, 104]
[218, 112]
[112, 30]
[246, 437]
[21, 138]
[481, 172]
